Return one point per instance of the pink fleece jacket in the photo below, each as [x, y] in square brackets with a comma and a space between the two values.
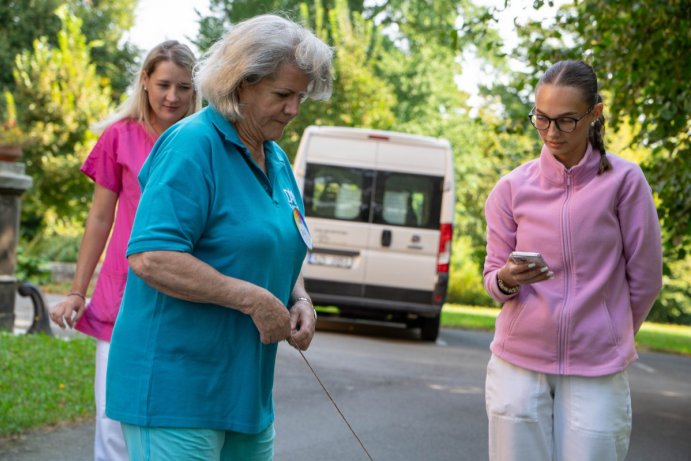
[600, 235]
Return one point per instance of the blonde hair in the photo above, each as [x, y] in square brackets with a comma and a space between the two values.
[136, 106]
[254, 49]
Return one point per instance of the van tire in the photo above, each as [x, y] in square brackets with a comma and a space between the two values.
[429, 328]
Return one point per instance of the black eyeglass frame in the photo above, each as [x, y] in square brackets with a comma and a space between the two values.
[532, 115]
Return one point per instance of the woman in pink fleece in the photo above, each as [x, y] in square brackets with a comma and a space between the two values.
[557, 387]
[162, 94]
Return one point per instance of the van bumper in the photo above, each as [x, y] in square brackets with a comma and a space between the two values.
[376, 298]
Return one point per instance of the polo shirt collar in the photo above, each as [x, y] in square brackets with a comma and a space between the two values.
[224, 126]
[227, 129]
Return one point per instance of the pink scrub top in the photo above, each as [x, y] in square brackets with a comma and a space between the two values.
[114, 163]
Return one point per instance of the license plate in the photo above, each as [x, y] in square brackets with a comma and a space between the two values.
[326, 259]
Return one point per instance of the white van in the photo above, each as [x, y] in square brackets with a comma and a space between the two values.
[380, 208]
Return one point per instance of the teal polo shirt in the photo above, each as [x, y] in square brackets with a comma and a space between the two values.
[175, 363]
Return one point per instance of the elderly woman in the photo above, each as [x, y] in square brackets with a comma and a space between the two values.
[215, 255]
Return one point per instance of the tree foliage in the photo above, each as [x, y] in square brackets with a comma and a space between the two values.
[61, 96]
[103, 24]
[226, 12]
[359, 98]
[19, 26]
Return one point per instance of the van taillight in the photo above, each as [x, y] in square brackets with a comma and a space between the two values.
[444, 256]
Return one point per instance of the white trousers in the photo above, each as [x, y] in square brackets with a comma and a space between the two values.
[540, 417]
[109, 443]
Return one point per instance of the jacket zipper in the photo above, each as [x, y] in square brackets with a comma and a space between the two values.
[566, 244]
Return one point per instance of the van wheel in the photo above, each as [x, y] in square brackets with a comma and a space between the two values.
[429, 328]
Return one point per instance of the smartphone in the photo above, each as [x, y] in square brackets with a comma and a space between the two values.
[528, 257]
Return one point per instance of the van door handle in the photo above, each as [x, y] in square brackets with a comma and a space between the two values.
[386, 238]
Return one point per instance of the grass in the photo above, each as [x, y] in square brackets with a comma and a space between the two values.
[467, 317]
[44, 381]
[658, 337]
[665, 338]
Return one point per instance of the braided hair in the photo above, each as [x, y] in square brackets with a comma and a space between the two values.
[580, 75]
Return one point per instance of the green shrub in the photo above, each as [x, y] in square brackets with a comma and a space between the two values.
[58, 245]
[465, 277]
[31, 268]
[674, 303]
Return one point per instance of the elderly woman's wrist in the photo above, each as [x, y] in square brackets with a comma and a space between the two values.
[303, 299]
[307, 302]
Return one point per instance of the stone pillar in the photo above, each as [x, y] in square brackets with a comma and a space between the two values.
[13, 182]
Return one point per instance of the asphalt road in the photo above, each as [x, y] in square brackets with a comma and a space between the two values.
[407, 400]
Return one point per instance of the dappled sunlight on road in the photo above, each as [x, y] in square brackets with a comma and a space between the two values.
[456, 389]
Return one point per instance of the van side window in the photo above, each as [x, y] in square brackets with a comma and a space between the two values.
[337, 192]
[409, 200]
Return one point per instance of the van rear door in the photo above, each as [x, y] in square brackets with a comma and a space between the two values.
[404, 236]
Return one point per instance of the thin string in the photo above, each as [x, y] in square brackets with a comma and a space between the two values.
[334, 404]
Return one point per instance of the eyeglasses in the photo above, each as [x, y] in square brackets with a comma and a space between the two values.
[564, 124]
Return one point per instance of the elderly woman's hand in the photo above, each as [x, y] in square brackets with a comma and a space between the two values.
[271, 318]
[303, 322]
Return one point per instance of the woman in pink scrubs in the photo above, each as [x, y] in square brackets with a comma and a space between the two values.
[162, 94]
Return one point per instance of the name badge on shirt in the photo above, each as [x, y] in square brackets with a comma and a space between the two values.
[302, 227]
[290, 197]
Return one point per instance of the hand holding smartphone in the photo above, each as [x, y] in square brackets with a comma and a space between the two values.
[532, 257]
[528, 257]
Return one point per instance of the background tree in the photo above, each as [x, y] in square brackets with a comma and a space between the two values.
[103, 24]
[360, 97]
[61, 96]
[19, 26]
[226, 12]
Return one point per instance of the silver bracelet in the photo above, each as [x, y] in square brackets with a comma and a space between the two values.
[507, 290]
[302, 298]
[308, 301]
